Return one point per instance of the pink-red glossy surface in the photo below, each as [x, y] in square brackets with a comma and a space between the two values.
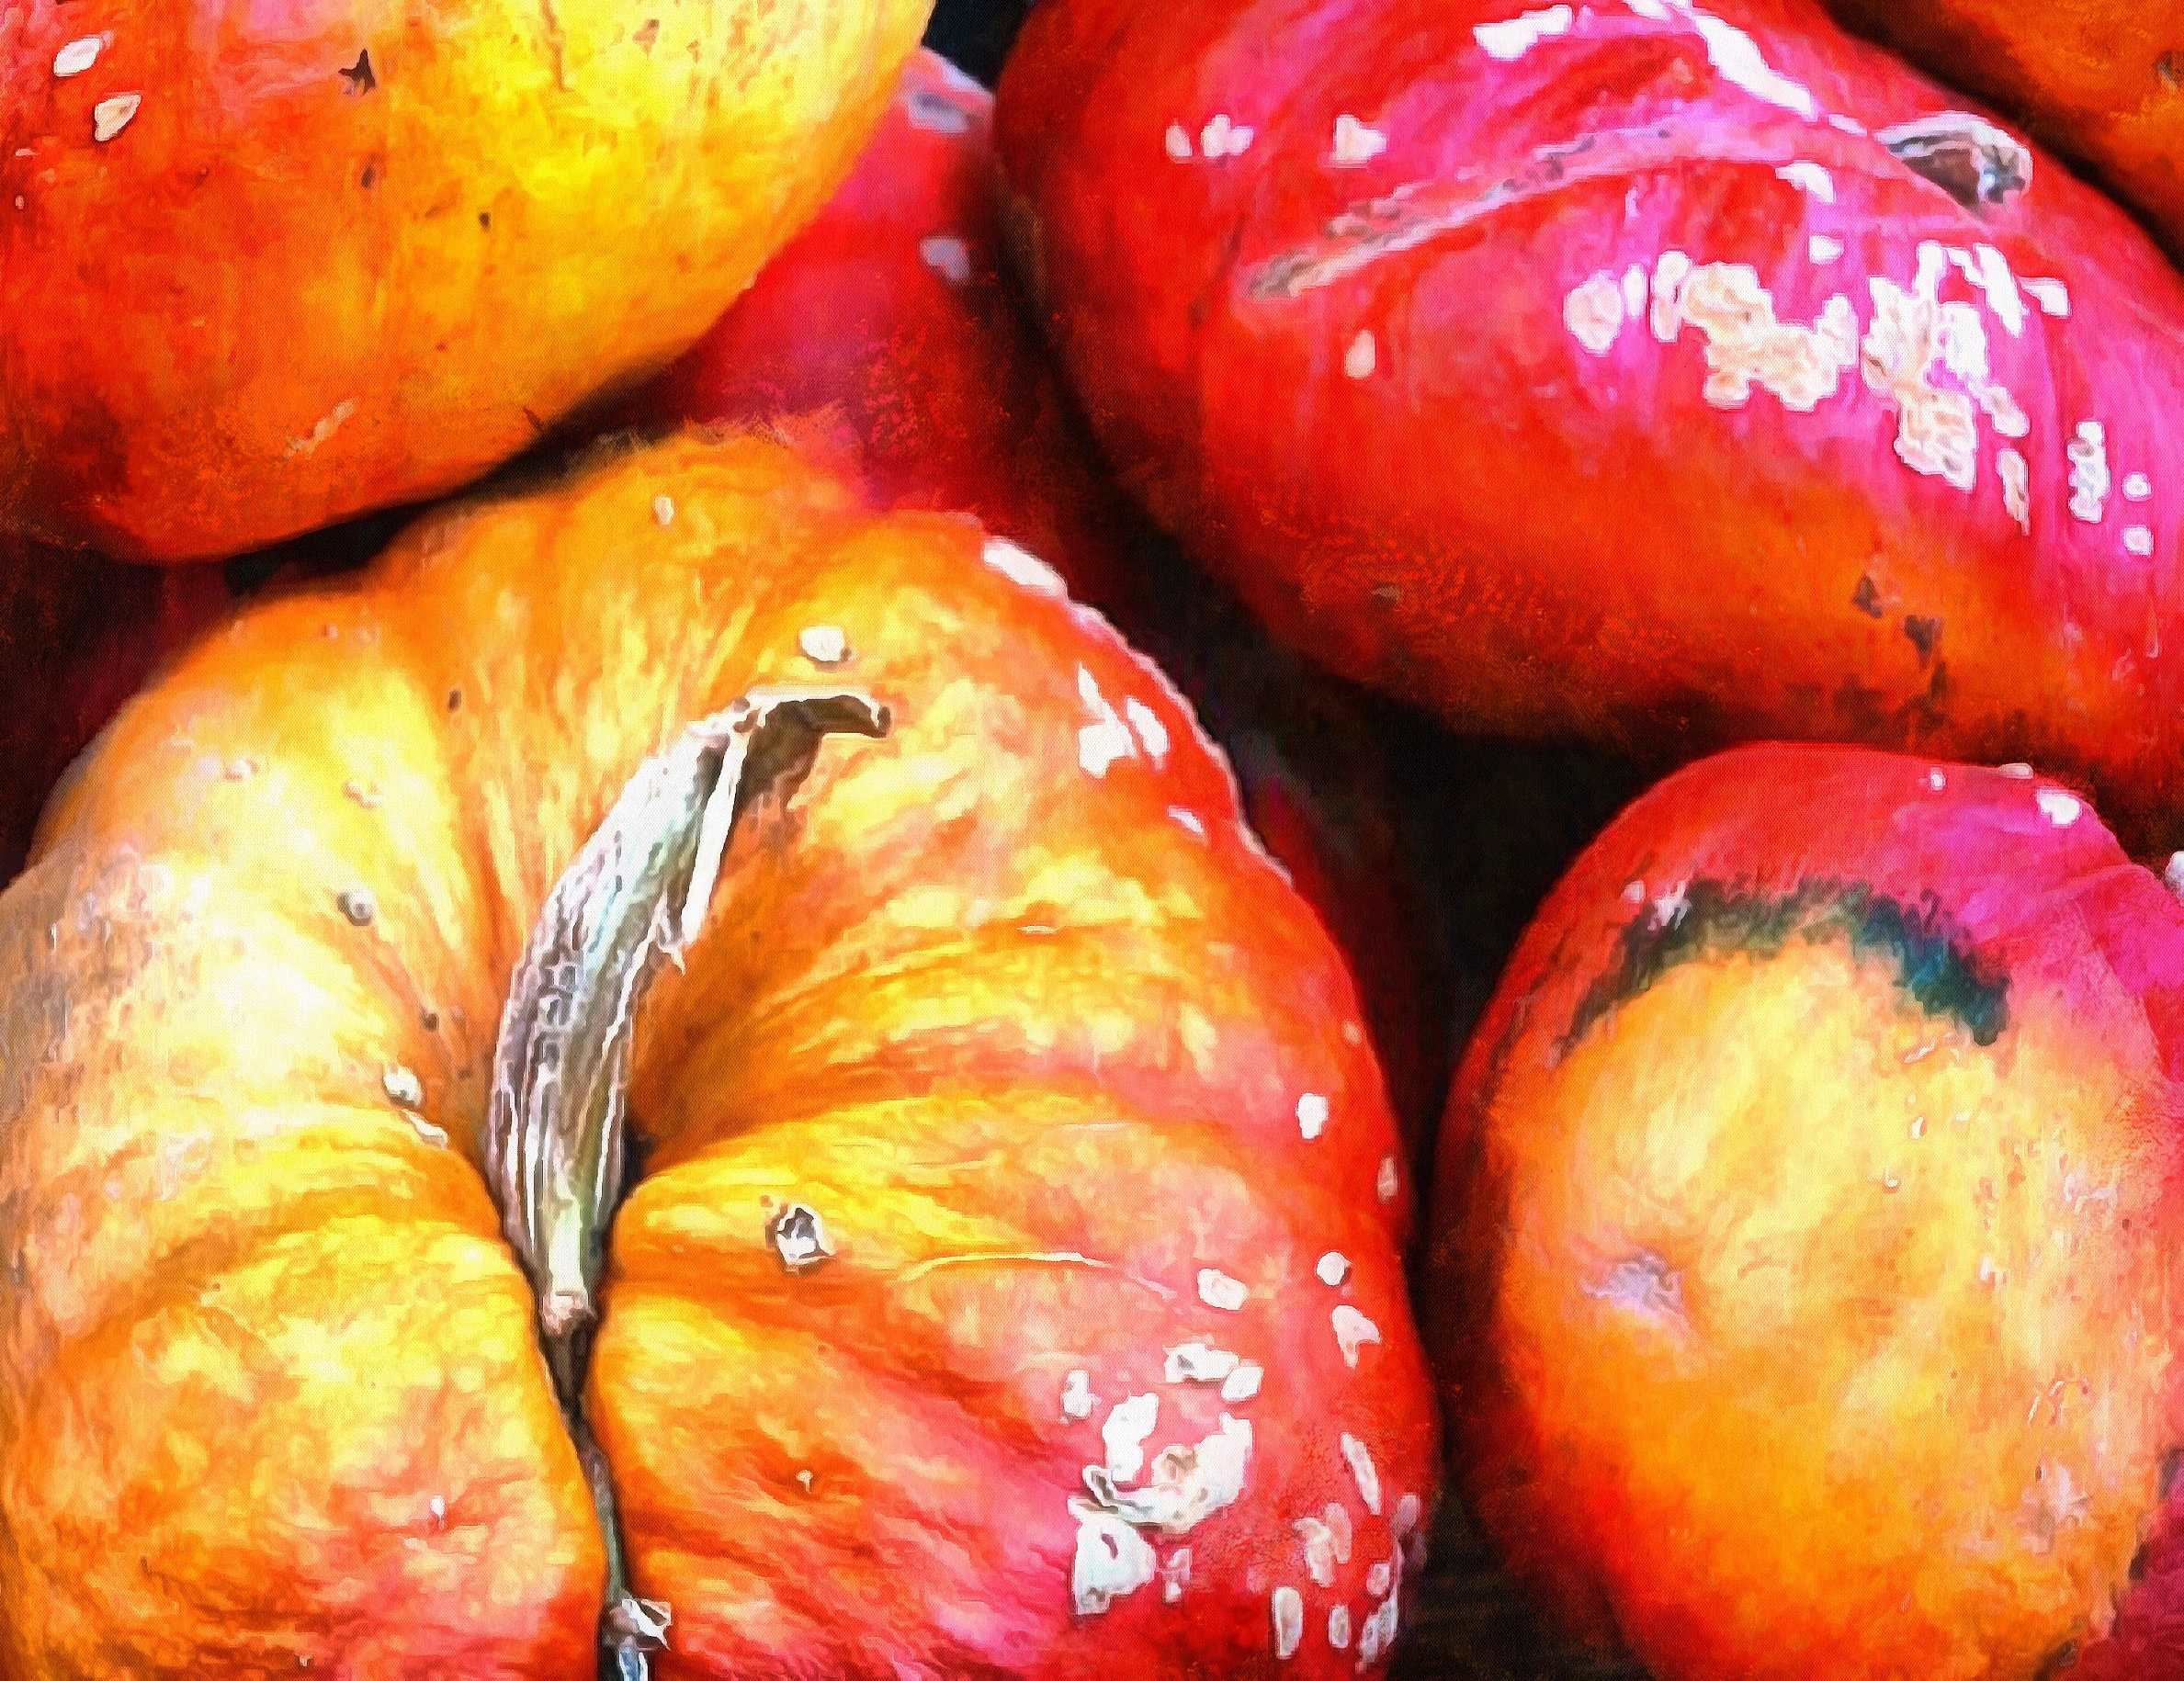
[1662, 372]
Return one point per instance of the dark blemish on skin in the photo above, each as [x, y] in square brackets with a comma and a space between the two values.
[538, 425]
[2057, 1662]
[1866, 597]
[370, 175]
[1974, 167]
[1924, 634]
[647, 33]
[455, 700]
[2172, 1463]
[485, 219]
[430, 1018]
[1939, 975]
[359, 75]
[2169, 70]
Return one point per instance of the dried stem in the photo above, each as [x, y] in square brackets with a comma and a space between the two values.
[633, 900]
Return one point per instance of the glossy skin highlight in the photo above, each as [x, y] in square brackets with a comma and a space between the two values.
[1377, 305]
[1032, 1048]
[1801, 1262]
[266, 267]
[889, 334]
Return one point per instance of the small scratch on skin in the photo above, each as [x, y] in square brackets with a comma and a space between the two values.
[1029, 1257]
[328, 424]
[109, 116]
[1643, 1283]
[2087, 452]
[1809, 177]
[552, 20]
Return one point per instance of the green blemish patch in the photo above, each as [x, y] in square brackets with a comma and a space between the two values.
[1716, 919]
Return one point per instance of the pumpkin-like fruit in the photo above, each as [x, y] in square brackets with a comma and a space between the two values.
[1805, 1268]
[2100, 81]
[1663, 373]
[268, 267]
[1009, 1276]
[887, 334]
[77, 636]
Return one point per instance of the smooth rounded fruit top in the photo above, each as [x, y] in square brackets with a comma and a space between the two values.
[266, 266]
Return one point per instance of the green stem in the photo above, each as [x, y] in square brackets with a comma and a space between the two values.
[635, 896]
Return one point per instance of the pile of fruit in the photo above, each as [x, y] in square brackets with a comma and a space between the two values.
[1343, 843]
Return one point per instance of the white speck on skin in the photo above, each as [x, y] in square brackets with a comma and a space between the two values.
[1338, 1627]
[804, 1481]
[1823, 248]
[1355, 143]
[2016, 475]
[1222, 138]
[935, 115]
[1379, 1578]
[1198, 1363]
[1512, 38]
[1634, 893]
[2137, 487]
[1106, 739]
[1242, 1384]
[1936, 432]
[1189, 820]
[1112, 1558]
[1353, 1331]
[1217, 1289]
[2017, 770]
[1175, 1574]
[437, 1506]
[2058, 807]
[2051, 295]
[1187, 1484]
[1635, 282]
[358, 905]
[109, 116]
[1077, 1397]
[2138, 540]
[1150, 730]
[947, 256]
[1311, 1115]
[822, 644]
[1847, 125]
[1020, 566]
[326, 426]
[1594, 313]
[1389, 1181]
[800, 1237]
[1408, 1511]
[1319, 1549]
[1671, 269]
[2172, 874]
[1176, 142]
[1362, 356]
[403, 1087]
[1748, 344]
[2088, 471]
[434, 1135]
[2000, 288]
[1809, 177]
[1936, 780]
[1378, 1632]
[1129, 1422]
[1333, 1269]
[1359, 1458]
[78, 56]
[1672, 907]
[663, 510]
[1737, 57]
[1289, 1621]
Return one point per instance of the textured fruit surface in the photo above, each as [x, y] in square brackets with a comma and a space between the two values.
[1803, 1260]
[1111, 1369]
[1661, 373]
[2101, 81]
[266, 266]
[887, 334]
